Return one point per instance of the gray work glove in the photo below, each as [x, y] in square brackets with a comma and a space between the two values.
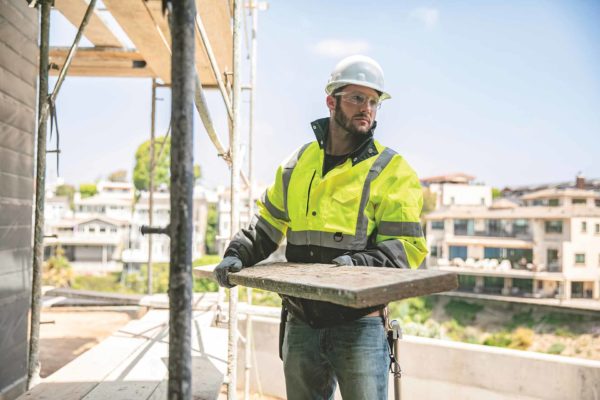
[229, 264]
[343, 260]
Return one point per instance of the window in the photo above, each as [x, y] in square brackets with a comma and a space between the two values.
[458, 252]
[102, 230]
[597, 201]
[579, 258]
[597, 228]
[113, 230]
[583, 227]
[554, 226]
[521, 226]
[433, 252]
[578, 201]
[483, 201]
[463, 227]
[552, 256]
[437, 225]
[553, 203]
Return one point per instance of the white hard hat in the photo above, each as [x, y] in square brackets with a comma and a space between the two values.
[357, 70]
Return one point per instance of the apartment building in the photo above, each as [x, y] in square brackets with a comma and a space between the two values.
[546, 246]
[138, 251]
[458, 189]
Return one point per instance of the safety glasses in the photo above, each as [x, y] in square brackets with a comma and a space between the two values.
[359, 99]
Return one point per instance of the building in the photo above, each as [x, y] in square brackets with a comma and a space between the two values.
[224, 213]
[547, 247]
[137, 253]
[92, 244]
[458, 189]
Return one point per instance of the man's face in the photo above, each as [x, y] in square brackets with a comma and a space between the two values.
[356, 119]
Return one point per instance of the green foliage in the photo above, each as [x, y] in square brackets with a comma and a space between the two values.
[197, 173]
[521, 338]
[555, 318]
[564, 331]
[462, 311]
[67, 191]
[104, 283]
[141, 170]
[556, 348]
[459, 333]
[496, 193]
[415, 309]
[211, 229]
[261, 298]
[87, 190]
[499, 339]
[57, 270]
[524, 318]
[204, 284]
[118, 176]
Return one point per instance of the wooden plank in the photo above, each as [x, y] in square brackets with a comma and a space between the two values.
[102, 62]
[355, 287]
[216, 18]
[217, 21]
[136, 21]
[95, 31]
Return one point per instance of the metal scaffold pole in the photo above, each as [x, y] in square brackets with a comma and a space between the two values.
[235, 197]
[182, 184]
[33, 370]
[151, 182]
[253, 54]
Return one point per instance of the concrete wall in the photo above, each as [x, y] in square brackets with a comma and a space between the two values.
[437, 369]
[18, 100]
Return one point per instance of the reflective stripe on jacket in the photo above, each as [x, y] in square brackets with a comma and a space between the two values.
[367, 207]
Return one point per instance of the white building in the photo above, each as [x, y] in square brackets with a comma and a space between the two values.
[548, 247]
[224, 212]
[458, 189]
[137, 253]
[92, 245]
[114, 200]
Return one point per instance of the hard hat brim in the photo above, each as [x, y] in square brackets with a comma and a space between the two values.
[340, 83]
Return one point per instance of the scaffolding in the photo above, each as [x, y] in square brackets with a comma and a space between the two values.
[173, 44]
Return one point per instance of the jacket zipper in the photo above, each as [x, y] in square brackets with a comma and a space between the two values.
[309, 186]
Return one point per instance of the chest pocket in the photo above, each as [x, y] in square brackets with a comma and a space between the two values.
[343, 207]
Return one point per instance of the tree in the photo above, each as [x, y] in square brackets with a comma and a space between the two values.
[162, 162]
[57, 270]
[119, 175]
[87, 190]
[197, 173]
[67, 191]
[210, 241]
[496, 193]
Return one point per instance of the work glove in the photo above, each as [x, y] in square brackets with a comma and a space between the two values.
[229, 264]
[343, 260]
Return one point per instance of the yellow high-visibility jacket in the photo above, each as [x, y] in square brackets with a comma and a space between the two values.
[368, 207]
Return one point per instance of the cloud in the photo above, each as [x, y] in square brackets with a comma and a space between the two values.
[337, 48]
[428, 16]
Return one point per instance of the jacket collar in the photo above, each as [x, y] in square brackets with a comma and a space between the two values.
[365, 150]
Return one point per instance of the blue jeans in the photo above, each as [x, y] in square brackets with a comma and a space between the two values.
[355, 354]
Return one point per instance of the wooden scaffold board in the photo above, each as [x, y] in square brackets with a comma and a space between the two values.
[356, 287]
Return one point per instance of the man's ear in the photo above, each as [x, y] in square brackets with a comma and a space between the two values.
[330, 101]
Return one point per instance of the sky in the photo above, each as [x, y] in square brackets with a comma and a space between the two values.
[507, 91]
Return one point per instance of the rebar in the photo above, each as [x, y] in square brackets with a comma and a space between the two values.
[182, 185]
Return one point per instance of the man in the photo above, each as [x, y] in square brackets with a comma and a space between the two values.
[342, 199]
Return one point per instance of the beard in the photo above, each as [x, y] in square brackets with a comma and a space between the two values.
[345, 122]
